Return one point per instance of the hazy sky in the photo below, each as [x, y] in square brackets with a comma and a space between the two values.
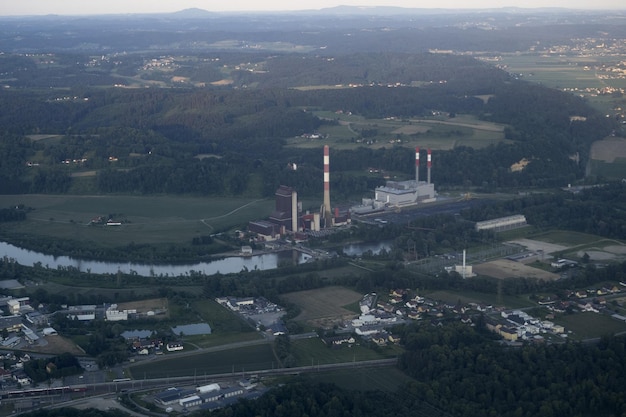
[36, 7]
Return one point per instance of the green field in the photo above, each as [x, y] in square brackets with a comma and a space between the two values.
[227, 326]
[439, 132]
[572, 73]
[567, 238]
[238, 360]
[313, 352]
[363, 379]
[615, 169]
[147, 219]
[590, 325]
[453, 297]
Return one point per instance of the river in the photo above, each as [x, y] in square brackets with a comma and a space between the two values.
[233, 264]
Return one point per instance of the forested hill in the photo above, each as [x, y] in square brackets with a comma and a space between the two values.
[232, 141]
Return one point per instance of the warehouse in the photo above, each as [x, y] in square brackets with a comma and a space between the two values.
[502, 223]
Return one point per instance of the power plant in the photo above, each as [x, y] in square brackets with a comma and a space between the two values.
[288, 217]
[398, 194]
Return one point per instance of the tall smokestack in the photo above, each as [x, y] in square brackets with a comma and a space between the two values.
[429, 164]
[327, 214]
[417, 164]
[294, 211]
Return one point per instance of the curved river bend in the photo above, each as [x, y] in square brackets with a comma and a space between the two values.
[228, 265]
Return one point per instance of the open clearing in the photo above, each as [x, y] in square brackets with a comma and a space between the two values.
[609, 149]
[324, 307]
[504, 268]
[537, 245]
[57, 345]
[438, 132]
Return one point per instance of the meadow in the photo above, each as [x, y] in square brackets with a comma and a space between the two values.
[237, 360]
[590, 325]
[363, 379]
[437, 132]
[313, 352]
[146, 219]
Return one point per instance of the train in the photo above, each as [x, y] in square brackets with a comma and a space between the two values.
[39, 392]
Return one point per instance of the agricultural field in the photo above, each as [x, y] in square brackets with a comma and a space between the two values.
[363, 379]
[608, 158]
[146, 219]
[452, 297]
[313, 352]
[590, 325]
[243, 359]
[437, 133]
[504, 269]
[324, 307]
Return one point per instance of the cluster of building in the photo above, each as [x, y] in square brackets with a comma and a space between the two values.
[12, 372]
[518, 325]
[24, 325]
[145, 346]
[206, 397]
[258, 311]
[111, 312]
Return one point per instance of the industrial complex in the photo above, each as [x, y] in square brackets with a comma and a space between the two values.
[398, 194]
[288, 217]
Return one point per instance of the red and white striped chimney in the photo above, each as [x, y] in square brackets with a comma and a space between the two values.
[327, 214]
[429, 164]
[417, 164]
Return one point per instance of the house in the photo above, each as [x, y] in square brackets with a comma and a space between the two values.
[18, 305]
[173, 347]
[336, 341]
[37, 319]
[508, 333]
[5, 375]
[11, 323]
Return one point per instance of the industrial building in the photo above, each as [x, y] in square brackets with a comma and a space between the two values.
[502, 223]
[397, 194]
[289, 218]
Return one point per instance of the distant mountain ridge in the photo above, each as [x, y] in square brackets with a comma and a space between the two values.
[198, 13]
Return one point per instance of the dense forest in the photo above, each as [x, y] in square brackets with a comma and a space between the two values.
[228, 141]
